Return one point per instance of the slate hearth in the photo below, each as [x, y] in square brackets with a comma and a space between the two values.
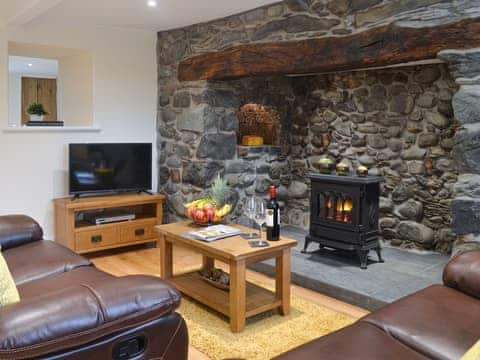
[337, 274]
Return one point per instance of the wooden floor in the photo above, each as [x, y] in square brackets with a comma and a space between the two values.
[145, 260]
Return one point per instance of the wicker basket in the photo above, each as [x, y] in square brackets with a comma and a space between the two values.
[259, 120]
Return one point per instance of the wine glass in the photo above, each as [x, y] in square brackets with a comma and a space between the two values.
[250, 212]
[260, 214]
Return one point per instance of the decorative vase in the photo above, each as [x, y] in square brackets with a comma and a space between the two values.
[326, 165]
[342, 169]
[362, 171]
[36, 117]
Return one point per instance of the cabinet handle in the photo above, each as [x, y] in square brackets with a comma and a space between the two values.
[96, 239]
[139, 232]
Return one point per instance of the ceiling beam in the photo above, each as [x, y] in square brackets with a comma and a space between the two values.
[377, 47]
[30, 11]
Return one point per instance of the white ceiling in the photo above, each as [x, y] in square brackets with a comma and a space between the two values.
[10, 8]
[168, 14]
[39, 67]
[19, 12]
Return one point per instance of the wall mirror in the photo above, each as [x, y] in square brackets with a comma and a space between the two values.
[49, 86]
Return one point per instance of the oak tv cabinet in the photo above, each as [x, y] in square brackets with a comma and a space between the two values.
[74, 232]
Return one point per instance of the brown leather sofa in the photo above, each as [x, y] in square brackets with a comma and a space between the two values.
[439, 322]
[71, 310]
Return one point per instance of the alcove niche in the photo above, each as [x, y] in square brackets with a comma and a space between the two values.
[58, 78]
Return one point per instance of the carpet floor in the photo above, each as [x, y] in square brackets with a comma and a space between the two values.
[265, 335]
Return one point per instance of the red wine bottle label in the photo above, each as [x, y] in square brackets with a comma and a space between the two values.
[269, 220]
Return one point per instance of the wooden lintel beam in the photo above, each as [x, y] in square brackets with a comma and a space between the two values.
[381, 46]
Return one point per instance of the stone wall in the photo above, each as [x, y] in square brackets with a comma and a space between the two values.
[399, 123]
[465, 67]
[403, 115]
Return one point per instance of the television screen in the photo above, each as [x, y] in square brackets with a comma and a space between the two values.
[110, 167]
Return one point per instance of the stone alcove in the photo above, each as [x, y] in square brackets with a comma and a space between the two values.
[398, 121]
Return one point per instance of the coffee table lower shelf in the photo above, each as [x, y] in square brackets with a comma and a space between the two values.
[258, 299]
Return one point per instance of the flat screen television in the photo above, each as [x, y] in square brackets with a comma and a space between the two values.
[105, 168]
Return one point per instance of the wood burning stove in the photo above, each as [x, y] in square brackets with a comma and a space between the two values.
[344, 214]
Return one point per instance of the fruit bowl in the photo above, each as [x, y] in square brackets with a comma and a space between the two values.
[212, 209]
[205, 212]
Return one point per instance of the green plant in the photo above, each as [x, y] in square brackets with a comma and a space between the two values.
[36, 109]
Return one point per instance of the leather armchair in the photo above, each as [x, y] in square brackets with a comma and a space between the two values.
[463, 273]
[68, 309]
[440, 322]
[17, 230]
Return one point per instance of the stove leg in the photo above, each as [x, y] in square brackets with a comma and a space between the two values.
[305, 245]
[363, 255]
[379, 254]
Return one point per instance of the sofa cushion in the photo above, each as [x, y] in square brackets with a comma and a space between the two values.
[360, 341]
[438, 321]
[40, 259]
[8, 289]
[473, 353]
[87, 275]
[77, 307]
[119, 296]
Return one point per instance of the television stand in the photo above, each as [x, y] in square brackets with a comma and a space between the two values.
[74, 231]
[148, 192]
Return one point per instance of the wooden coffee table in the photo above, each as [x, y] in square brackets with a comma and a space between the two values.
[244, 299]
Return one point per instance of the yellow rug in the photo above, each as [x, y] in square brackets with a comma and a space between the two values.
[265, 335]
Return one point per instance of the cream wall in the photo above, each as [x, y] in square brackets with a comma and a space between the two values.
[75, 85]
[33, 165]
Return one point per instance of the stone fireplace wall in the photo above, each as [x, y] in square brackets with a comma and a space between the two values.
[397, 121]
[465, 67]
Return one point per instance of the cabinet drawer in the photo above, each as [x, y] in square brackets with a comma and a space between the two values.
[137, 232]
[90, 240]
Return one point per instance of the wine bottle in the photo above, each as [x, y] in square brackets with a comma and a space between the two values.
[273, 216]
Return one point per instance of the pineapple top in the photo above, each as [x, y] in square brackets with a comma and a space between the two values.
[219, 191]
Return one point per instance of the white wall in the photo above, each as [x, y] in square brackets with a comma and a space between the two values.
[33, 165]
[14, 98]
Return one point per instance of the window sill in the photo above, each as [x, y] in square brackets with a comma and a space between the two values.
[51, 129]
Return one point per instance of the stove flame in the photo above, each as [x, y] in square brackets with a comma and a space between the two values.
[329, 203]
[339, 205]
[348, 205]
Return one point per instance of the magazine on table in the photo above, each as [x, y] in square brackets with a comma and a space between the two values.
[215, 232]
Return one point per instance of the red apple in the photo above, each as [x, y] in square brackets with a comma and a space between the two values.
[210, 213]
[191, 212]
[200, 216]
[208, 206]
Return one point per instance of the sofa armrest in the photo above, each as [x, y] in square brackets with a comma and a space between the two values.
[463, 273]
[46, 317]
[17, 230]
[76, 315]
